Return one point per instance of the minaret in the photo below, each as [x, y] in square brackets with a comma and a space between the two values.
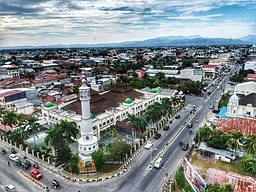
[88, 143]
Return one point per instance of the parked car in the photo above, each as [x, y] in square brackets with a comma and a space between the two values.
[177, 116]
[10, 188]
[148, 145]
[14, 157]
[190, 131]
[166, 127]
[36, 173]
[157, 135]
[158, 163]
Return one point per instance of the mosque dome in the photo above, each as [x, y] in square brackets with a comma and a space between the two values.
[48, 104]
[128, 101]
[153, 90]
[234, 99]
[92, 116]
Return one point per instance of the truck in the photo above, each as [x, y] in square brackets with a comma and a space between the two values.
[148, 145]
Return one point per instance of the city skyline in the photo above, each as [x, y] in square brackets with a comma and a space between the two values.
[48, 22]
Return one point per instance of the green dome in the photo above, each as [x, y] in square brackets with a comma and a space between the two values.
[49, 104]
[128, 101]
[92, 116]
[153, 91]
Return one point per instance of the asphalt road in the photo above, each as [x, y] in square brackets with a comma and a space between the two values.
[140, 177]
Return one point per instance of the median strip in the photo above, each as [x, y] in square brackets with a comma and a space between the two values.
[33, 180]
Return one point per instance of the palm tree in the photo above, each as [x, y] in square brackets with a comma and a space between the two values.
[233, 140]
[50, 138]
[34, 127]
[112, 131]
[9, 118]
[250, 144]
[21, 120]
[69, 130]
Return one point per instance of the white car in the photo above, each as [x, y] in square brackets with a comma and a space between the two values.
[14, 157]
[148, 145]
[10, 188]
[158, 163]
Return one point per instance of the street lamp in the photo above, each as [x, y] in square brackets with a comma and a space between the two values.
[151, 151]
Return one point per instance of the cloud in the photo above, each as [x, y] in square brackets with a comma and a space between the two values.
[113, 20]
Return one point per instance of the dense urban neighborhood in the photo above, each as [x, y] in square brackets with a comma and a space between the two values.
[128, 119]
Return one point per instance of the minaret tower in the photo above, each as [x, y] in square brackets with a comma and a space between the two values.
[88, 143]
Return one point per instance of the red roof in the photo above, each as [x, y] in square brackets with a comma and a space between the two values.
[210, 66]
[247, 126]
[9, 93]
[251, 77]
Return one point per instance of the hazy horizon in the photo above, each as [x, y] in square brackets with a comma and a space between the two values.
[51, 22]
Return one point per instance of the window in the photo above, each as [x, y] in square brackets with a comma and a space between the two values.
[93, 146]
[89, 148]
[87, 137]
[84, 148]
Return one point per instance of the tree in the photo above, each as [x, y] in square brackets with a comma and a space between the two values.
[118, 150]
[63, 152]
[233, 139]
[100, 159]
[9, 118]
[250, 144]
[112, 132]
[73, 163]
[51, 138]
[217, 188]
[34, 127]
[204, 134]
[69, 130]
[248, 163]
[21, 121]
[218, 139]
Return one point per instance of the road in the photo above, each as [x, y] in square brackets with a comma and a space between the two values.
[140, 176]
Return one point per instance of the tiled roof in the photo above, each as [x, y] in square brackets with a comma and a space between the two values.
[99, 103]
[249, 99]
[9, 93]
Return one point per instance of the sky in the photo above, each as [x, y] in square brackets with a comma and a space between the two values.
[51, 22]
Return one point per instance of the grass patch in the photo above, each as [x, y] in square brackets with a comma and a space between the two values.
[204, 164]
[111, 168]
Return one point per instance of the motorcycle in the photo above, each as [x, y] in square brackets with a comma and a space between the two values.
[3, 151]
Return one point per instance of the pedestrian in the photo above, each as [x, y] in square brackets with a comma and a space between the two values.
[9, 164]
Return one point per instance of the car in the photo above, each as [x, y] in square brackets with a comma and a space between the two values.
[181, 142]
[148, 145]
[190, 131]
[177, 116]
[10, 188]
[190, 125]
[36, 173]
[157, 135]
[55, 184]
[26, 165]
[166, 127]
[185, 146]
[14, 157]
[158, 163]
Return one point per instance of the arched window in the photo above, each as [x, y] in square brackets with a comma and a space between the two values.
[87, 137]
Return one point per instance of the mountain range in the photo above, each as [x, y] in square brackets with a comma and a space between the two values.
[195, 40]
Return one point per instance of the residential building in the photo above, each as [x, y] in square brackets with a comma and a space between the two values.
[192, 74]
[10, 70]
[245, 88]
